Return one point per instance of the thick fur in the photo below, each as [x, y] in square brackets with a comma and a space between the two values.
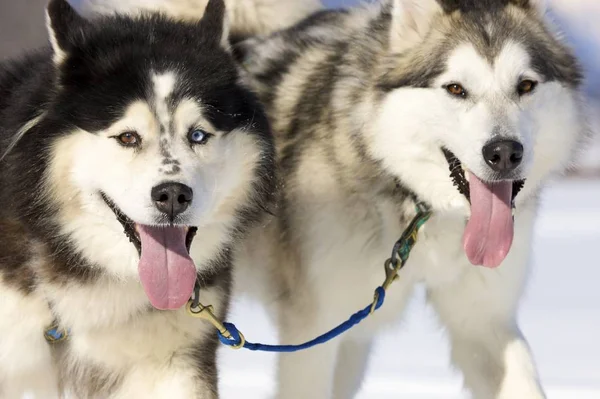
[246, 17]
[357, 103]
[64, 254]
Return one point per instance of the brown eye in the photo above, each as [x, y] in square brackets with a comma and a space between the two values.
[456, 90]
[129, 139]
[526, 86]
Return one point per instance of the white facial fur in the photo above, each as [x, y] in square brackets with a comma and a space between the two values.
[166, 156]
[415, 123]
[220, 173]
[492, 108]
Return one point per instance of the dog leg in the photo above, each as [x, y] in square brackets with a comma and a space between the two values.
[26, 365]
[310, 373]
[351, 367]
[479, 313]
[161, 383]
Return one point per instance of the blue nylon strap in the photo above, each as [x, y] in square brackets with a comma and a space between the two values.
[55, 334]
[356, 318]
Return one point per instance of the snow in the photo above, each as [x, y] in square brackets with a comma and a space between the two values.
[560, 317]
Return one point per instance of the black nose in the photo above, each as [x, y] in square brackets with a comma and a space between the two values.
[172, 198]
[503, 155]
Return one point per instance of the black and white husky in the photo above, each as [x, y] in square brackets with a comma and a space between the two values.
[468, 106]
[132, 159]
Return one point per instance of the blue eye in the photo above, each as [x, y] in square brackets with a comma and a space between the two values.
[198, 136]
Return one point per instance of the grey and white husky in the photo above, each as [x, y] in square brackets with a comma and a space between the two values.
[132, 159]
[467, 106]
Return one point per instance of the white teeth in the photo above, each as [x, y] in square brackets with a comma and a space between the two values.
[467, 173]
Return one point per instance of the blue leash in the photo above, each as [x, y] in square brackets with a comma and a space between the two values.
[55, 334]
[231, 336]
[236, 338]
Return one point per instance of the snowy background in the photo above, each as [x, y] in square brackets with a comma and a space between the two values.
[561, 311]
[560, 316]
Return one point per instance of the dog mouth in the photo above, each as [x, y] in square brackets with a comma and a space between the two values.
[166, 270]
[457, 174]
[489, 232]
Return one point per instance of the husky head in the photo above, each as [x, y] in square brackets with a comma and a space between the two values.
[487, 89]
[153, 141]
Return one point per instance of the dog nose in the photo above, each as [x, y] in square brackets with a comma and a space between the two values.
[172, 198]
[503, 155]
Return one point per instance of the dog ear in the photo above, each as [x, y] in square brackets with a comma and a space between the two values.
[215, 23]
[411, 20]
[64, 27]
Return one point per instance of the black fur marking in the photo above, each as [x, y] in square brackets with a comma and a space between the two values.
[213, 20]
[517, 187]
[168, 158]
[15, 256]
[549, 57]
[273, 75]
[467, 6]
[412, 68]
[169, 161]
[319, 89]
[457, 174]
[127, 224]
[190, 237]
[294, 42]
[173, 171]
[65, 24]
[164, 149]
[417, 78]
[172, 122]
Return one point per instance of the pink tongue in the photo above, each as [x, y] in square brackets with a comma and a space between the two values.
[490, 230]
[166, 270]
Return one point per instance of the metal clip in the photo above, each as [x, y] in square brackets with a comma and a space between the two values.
[402, 249]
[391, 275]
[208, 313]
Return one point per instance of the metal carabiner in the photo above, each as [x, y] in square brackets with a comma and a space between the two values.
[391, 275]
[208, 313]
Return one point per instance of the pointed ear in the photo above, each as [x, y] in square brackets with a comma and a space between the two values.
[215, 24]
[63, 24]
[411, 20]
